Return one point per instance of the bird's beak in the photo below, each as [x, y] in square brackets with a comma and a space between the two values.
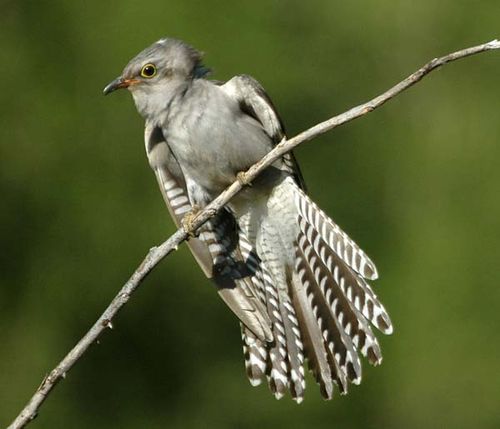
[118, 83]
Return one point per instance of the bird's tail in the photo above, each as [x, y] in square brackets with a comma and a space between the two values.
[317, 297]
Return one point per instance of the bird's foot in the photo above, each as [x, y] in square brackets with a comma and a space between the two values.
[187, 221]
[243, 179]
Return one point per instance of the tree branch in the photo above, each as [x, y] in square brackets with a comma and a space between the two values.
[156, 254]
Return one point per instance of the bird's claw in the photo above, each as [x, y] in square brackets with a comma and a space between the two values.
[187, 221]
[243, 179]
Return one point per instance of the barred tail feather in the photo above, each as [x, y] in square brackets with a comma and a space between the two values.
[277, 368]
[255, 352]
[334, 237]
[339, 346]
[313, 338]
[355, 288]
[314, 294]
[331, 270]
[286, 354]
[275, 363]
[294, 347]
[332, 287]
[344, 259]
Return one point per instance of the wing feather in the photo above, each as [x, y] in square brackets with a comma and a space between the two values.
[255, 102]
[216, 249]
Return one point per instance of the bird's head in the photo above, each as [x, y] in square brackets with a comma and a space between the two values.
[162, 65]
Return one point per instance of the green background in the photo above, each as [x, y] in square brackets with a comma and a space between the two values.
[416, 184]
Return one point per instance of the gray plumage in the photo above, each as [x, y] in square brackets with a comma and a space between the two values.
[295, 280]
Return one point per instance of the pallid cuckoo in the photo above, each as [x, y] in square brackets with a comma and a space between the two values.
[295, 280]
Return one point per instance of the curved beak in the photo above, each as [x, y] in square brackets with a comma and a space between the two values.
[118, 83]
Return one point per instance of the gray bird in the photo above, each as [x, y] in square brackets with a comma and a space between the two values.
[295, 280]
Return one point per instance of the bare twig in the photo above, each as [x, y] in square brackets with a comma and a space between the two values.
[156, 254]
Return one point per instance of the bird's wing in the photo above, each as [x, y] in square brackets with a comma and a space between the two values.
[216, 249]
[255, 102]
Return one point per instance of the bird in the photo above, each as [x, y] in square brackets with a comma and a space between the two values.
[295, 280]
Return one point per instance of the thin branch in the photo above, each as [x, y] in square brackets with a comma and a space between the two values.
[156, 254]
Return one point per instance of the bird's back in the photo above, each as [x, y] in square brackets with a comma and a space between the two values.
[211, 137]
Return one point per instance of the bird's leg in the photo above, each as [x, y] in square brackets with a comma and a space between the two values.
[243, 179]
[188, 219]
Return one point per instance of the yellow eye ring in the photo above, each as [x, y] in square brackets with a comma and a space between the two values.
[148, 71]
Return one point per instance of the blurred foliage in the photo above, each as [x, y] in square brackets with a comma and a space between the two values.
[416, 183]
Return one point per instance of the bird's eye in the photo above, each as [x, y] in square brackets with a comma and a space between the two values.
[148, 71]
